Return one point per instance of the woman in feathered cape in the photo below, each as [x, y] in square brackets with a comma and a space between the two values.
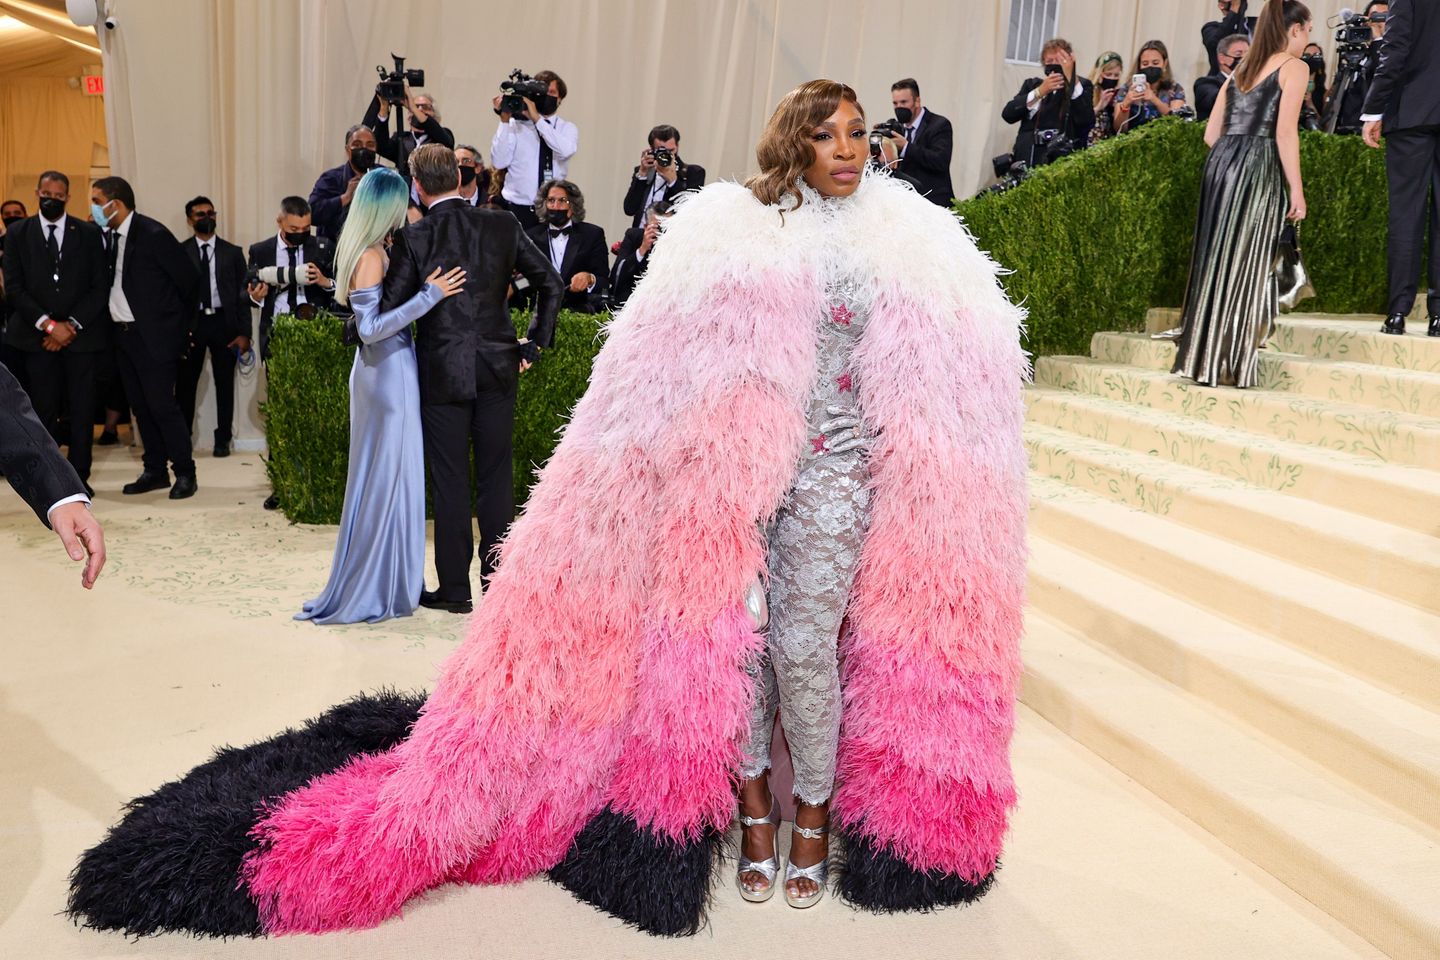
[594, 723]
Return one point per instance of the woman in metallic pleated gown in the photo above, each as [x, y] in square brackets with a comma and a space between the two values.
[379, 565]
[1251, 185]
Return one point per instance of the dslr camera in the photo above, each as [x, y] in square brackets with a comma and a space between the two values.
[1049, 146]
[518, 86]
[881, 132]
[663, 156]
[391, 87]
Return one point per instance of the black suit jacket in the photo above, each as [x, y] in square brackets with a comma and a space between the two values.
[31, 291]
[1078, 115]
[263, 254]
[229, 282]
[1206, 90]
[629, 268]
[1216, 30]
[688, 176]
[586, 252]
[473, 326]
[398, 149]
[326, 210]
[160, 286]
[1406, 87]
[927, 159]
[31, 461]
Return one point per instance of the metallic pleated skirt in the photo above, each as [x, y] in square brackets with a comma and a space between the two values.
[1231, 296]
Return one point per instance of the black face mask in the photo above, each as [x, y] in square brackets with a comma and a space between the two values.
[362, 158]
[1053, 68]
[467, 176]
[547, 105]
[51, 208]
[904, 114]
[1109, 83]
[205, 225]
[1153, 75]
[11, 220]
[558, 218]
[297, 238]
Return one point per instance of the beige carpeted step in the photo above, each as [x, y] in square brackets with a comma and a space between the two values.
[1379, 742]
[1384, 640]
[1381, 434]
[1365, 552]
[1371, 385]
[1357, 339]
[1344, 852]
[1405, 496]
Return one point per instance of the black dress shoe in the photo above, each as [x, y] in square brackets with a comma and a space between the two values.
[147, 482]
[1395, 323]
[108, 438]
[429, 599]
[184, 487]
[272, 502]
[222, 448]
[1434, 330]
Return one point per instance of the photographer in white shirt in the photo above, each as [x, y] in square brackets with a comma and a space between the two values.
[533, 147]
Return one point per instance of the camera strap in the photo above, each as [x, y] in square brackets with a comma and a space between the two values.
[546, 166]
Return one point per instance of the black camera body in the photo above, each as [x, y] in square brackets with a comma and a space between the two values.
[881, 132]
[663, 156]
[518, 86]
[1049, 146]
[391, 87]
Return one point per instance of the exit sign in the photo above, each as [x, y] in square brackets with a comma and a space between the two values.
[94, 85]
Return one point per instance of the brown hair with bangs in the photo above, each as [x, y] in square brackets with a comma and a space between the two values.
[785, 151]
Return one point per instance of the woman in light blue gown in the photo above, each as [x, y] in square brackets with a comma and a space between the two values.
[379, 565]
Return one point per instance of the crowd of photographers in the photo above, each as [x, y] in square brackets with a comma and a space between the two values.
[1061, 111]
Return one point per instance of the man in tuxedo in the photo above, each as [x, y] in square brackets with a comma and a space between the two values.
[222, 326]
[1232, 21]
[330, 197]
[577, 249]
[661, 175]
[1229, 53]
[633, 257]
[1404, 105]
[1058, 101]
[56, 287]
[304, 260]
[927, 144]
[45, 481]
[470, 362]
[423, 127]
[153, 293]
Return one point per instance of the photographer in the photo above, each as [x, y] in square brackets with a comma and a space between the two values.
[1156, 95]
[1232, 21]
[577, 249]
[1058, 102]
[424, 126]
[925, 144]
[634, 255]
[1314, 58]
[287, 274]
[1404, 104]
[533, 146]
[661, 175]
[1359, 56]
[1230, 52]
[330, 197]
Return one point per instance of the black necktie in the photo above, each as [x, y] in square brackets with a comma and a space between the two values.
[53, 246]
[205, 267]
[290, 288]
[113, 251]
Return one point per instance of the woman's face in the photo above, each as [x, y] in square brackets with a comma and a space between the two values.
[1313, 50]
[841, 143]
[1111, 71]
[1152, 58]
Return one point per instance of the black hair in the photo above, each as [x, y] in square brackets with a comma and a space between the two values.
[663, 131]
[54, 175]
[907, 84]
[294, 207]
[116, 188]
[191, 205]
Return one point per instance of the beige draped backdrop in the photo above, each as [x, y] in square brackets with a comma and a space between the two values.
[248, 100]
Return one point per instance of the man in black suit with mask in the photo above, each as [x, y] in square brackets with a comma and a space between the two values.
[1058, 102]
[293, 266]
[153, 293]
[222, 327]
[470, 361]
[1233, 20]
[577, 249]
[56, 287]
[926, 145]
[1404, 105]
[333, 190]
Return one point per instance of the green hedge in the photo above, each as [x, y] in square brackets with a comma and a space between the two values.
[1099, 237]
[307, 408]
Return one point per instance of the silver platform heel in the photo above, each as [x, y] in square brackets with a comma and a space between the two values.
[766, 868]
[818, 872]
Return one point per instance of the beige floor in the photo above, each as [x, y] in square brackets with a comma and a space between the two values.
[186, 643]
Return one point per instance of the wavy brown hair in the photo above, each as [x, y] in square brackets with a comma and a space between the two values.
[785, 151]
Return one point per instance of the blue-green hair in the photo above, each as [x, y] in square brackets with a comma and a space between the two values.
[377, 208]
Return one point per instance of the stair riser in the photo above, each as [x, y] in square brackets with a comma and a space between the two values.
[1236, 517]
[1365, 489]
[1304, 869]
[1378, 436]
[1393, 778]
[1360, 344]
[1365, 651]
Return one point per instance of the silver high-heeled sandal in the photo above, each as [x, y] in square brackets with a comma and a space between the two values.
[818, 872]
[766, 868]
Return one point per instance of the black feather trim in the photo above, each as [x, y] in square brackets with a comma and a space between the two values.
[173, 861]
[650, 882]
[873, 878]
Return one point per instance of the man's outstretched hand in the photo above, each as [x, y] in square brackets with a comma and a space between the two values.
[80, 532]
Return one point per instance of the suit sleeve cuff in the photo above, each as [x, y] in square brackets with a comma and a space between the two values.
[77, 498]
[40, 324]
[1367, 117]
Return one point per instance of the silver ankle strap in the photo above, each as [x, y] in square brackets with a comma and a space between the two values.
[772, 818]
[811, 833]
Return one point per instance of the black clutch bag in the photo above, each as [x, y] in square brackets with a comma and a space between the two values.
[1291, 278]
[349, 332]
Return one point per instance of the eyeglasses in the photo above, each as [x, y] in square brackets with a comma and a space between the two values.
[557, 202]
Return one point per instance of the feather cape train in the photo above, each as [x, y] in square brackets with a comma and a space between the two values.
[592, 723]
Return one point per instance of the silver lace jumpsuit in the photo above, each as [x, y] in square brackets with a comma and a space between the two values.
[814, 549]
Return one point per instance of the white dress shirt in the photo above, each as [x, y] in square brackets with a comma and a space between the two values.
[211, 298]
[282, 292]
[77, 498]
[1032, 100]
[120, 311]
[558, 246]
[59, 245]
[516, 148]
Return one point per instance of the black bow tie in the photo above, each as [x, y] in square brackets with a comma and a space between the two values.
[559, 231]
